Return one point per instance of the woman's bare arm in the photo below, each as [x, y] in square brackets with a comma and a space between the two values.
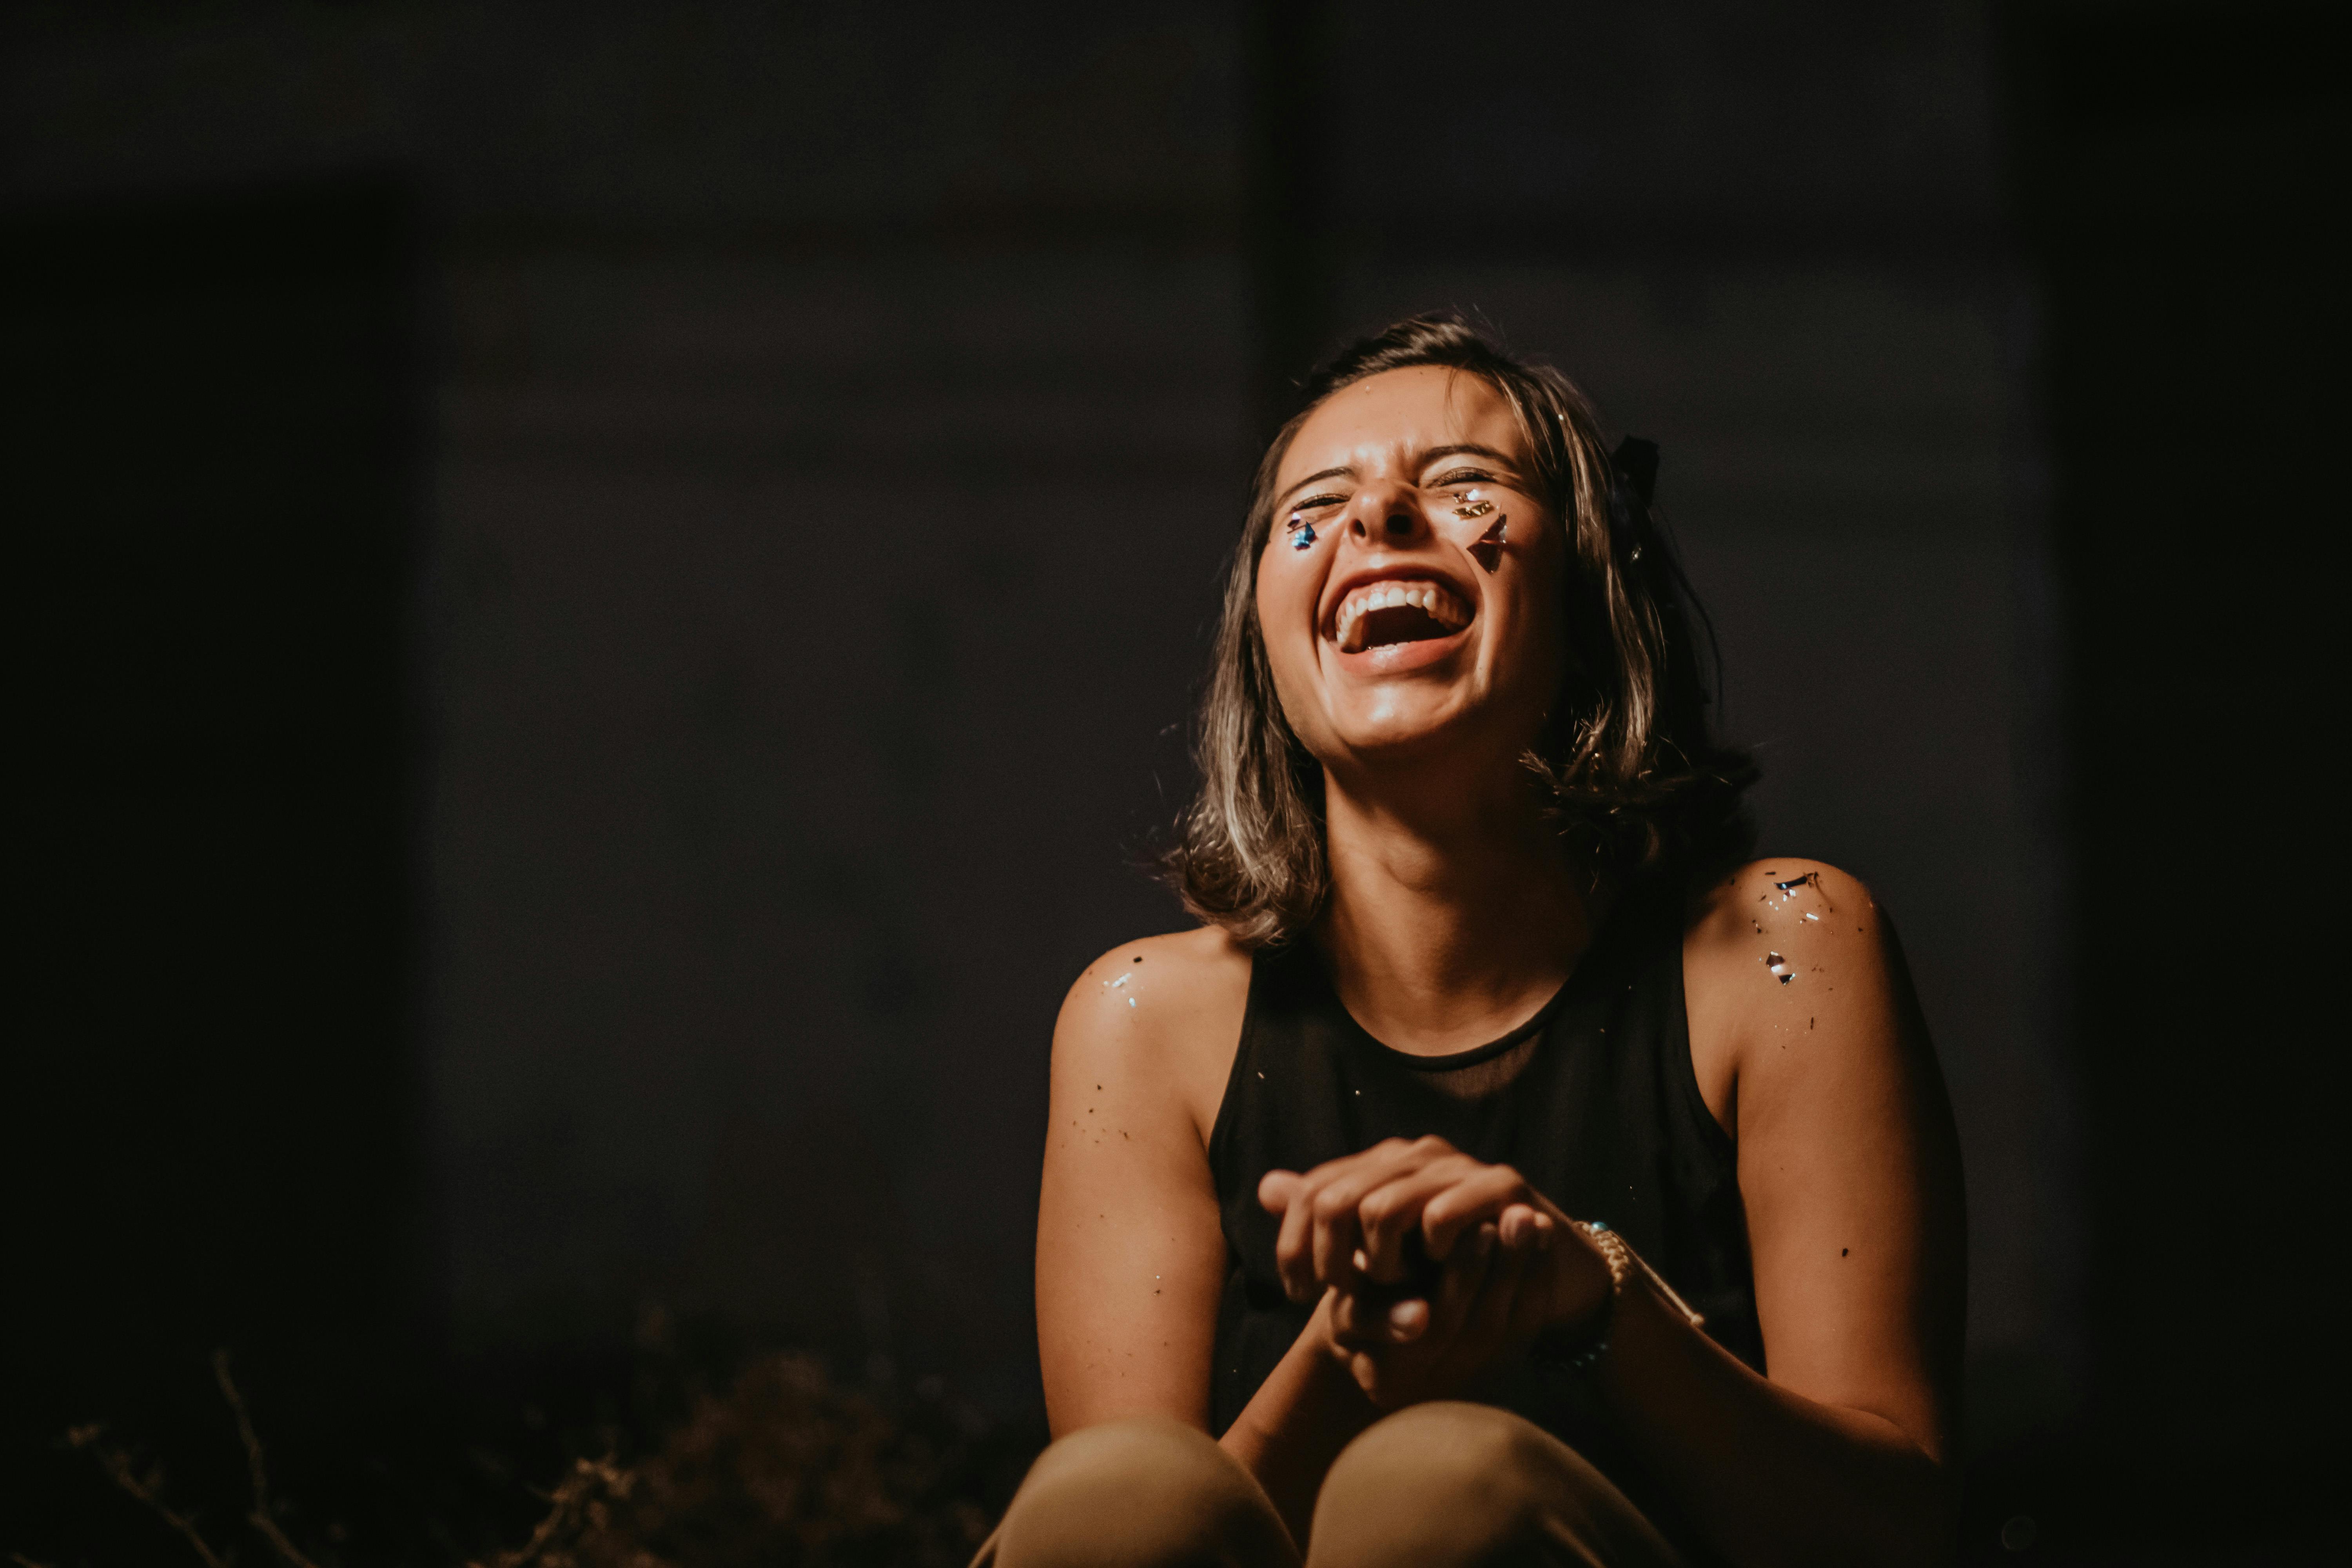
[1130, 1258]
[1849, 1168]
[1130, 1253]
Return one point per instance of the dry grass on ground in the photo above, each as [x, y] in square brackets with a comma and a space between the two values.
[782, 1470]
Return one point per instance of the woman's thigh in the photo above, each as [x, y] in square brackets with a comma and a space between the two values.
[1447, 1484]
[1146, 1493]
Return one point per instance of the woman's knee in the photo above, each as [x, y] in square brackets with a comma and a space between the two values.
[1151, 1452]
[1462, 1484]
[1443, 1456]
[1148, 1490]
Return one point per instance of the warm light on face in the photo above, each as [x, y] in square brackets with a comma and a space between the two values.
[1407, 588]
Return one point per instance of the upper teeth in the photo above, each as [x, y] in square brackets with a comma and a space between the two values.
[1438, 604]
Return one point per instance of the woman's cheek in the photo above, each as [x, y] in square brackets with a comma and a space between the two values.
[1295, 689]
[1527, 652]
[1279, 609]
[1297, 686]
[1286, 610]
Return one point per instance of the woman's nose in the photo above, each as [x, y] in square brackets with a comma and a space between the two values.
[1387, 514]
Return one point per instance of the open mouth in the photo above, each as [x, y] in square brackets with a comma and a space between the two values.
[1380, 615]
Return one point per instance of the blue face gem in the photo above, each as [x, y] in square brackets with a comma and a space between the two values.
[1302, 535]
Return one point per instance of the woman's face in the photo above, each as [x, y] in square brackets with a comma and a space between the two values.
[1409, 587]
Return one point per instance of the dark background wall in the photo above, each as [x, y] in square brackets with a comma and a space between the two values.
[612, 584]
[2171, 179]
[215, 1087]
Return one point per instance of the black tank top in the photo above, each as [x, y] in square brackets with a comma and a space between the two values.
[1594, 1100]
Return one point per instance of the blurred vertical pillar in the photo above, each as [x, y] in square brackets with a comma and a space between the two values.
[2174, 162]
[1288, 201]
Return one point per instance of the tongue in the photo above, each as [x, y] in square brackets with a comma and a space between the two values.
[1400, 623]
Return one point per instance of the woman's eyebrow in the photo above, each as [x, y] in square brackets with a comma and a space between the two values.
[1459, 447]
[1339, 473]
[1427, 458]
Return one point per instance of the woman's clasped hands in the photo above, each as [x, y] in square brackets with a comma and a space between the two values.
[1433, 1268]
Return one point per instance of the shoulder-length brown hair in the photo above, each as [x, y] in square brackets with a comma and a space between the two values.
[1624, 760]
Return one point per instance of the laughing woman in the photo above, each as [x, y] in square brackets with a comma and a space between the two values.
[1502, 1172]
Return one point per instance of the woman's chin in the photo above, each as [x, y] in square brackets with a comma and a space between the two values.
[1403, 728]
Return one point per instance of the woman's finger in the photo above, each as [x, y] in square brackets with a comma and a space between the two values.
[1465, 1275]
[1374, 1320]
[1277, 1189]
[1486, 1327]
[1290, 1242]
[1345, 1326]
[1333, 1234]
[1408, 1319]
[1479, 1197]
[1322, 1196]
[1531, 1303]
[1337, 1233]
[1294, 1256]
[1391, 1212]
[1523, 1225]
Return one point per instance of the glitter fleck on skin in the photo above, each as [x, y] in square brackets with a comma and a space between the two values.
[1787, 890]
[1779, 968]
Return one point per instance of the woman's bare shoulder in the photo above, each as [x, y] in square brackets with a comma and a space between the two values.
[1776, 945]
[1766, 900]
[1159, 1013]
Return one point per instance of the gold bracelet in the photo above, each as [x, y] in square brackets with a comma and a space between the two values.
[1624, 1264]
[1623, 1261]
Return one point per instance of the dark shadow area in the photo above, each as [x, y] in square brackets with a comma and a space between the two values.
[216, 1126]
[214, 1098]
[2174, 167]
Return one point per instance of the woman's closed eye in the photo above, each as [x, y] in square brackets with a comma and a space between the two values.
[1299, 525]
[1463, 477]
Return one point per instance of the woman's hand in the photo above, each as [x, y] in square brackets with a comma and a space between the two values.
[1486, 1305]
[1439, 1266]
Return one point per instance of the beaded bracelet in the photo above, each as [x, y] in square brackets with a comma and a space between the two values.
[1623, 1261]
